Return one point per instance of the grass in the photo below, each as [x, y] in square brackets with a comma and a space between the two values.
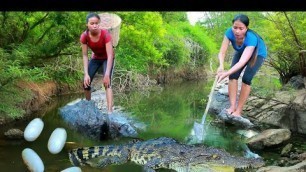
[13, 96]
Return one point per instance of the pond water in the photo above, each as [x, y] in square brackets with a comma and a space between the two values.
[170, 112]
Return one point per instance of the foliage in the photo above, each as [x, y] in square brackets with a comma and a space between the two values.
[141, 36]
[161, 44]
[177, 53]
[38, 35]
[11, 106]
[175, 17]
[286, 31]
[196, 47]
[5, 78]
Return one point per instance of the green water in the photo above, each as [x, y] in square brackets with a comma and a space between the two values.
[170, 112]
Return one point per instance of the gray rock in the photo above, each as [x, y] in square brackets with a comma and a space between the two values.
[86, 118]
[14, 133]
[297, 82]
[235, 120]
[268, 138]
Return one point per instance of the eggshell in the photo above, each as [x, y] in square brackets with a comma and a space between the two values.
[72, 169]
[32, 160]
[57, 140]
[33, 129]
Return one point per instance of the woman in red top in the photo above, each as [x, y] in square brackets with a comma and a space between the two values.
[99, 41]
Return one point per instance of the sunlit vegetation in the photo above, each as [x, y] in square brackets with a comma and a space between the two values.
[44, 46]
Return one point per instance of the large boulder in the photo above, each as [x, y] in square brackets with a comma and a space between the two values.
[269, 138]
[85, 117]
[239, 121]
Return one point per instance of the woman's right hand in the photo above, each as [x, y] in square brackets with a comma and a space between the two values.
[221, 75]
[86, 81]
[220, 71]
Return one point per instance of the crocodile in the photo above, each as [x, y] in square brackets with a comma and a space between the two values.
[163, 153]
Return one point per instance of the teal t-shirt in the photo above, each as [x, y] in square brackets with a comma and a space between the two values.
[251, 39]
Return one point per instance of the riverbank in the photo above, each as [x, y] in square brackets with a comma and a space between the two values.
[38, 95]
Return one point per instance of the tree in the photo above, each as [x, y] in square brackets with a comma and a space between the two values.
[286, 33]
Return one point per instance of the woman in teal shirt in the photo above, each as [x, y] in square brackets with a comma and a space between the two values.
[250, 54]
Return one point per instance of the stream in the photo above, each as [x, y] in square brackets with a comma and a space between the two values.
[170, 112]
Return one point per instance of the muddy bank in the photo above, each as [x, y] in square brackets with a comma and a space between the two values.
[40, 96]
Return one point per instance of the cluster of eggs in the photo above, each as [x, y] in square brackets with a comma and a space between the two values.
[56, 143]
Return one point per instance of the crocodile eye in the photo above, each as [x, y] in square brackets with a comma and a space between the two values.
[182, 153]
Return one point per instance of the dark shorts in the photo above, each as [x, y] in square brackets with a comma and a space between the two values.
[249, 72]
[93, 67]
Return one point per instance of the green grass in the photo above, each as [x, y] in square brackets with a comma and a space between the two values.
[14, 97]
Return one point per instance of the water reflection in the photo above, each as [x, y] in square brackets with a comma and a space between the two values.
[170, 112]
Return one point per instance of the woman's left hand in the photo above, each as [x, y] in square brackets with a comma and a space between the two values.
[106, 81]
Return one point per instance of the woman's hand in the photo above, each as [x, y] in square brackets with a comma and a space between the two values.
[221, 75]
[106, 81]
[86, 80]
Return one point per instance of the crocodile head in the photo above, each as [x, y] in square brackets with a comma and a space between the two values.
[203, 158]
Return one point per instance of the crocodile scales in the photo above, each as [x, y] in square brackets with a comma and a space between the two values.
[163, 153]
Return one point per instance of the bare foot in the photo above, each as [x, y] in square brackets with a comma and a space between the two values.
[236, 114]
[230, 110]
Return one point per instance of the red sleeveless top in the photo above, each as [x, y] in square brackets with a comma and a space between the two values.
[98, 48]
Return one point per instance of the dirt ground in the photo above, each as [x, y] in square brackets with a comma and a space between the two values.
[42, 93]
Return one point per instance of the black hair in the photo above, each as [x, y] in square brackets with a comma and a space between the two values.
[243, 18]
[90, 15]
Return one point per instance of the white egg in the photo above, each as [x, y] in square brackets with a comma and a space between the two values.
[33, 129]
[57, 140]
[32, 160]
[72, 169]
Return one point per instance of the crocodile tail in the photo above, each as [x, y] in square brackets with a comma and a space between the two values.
[79, 156]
